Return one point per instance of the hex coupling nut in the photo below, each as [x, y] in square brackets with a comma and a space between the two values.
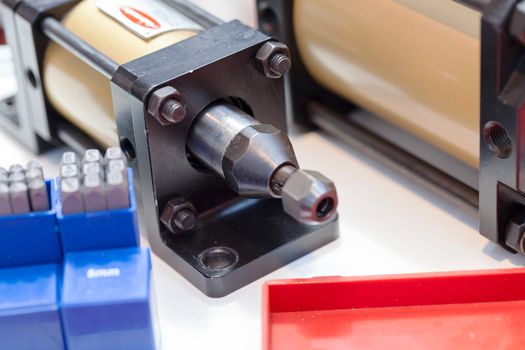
[245, 170]
[309, 197]
[273, 59]
[178, 215]
[166, 105]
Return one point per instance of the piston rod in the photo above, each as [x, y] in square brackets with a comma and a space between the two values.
[55, 31]
[258, 161]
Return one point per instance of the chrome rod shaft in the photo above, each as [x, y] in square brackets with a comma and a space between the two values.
[55, 31]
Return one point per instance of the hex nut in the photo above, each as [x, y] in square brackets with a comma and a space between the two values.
[514, 233]
[157, 102]
[170, 211]
[309, 197]
[269, 51]
[244, 169]
[517, 23]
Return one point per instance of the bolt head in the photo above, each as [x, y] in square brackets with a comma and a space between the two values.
[157, 102]
[267, 53]
[517, 23]
[515, 232]
[170, 211]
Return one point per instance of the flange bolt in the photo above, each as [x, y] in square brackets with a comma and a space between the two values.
[167, 106]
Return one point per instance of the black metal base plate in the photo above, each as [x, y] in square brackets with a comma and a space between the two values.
[242, 242]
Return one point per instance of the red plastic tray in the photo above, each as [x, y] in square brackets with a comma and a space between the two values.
[460, 310]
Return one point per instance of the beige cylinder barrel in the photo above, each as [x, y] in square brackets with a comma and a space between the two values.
[415, 63]
[76, 90]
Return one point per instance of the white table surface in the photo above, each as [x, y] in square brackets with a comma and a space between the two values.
[388, 225]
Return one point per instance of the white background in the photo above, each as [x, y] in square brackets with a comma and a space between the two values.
[388, 225]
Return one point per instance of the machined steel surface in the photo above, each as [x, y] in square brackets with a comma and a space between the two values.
[114, 153]
[93, 193]
[213, 131]
[95, 184]
[69, 170]
[71, 195]
[34, 174]
[18, 176]
[93, 168]
[38, 194]
[240, 149]
[23, 189]
[116, 165]
[249, 155]
[117, 190]
[70, 158]
[19, 197]
[92, 156]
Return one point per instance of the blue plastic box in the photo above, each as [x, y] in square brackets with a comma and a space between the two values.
[107, 229]
[31, 239]
[106, 300]
[29, 308]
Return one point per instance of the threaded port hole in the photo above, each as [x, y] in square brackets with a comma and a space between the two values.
[268, 20]
[128, 149]
[498, 139]
[31, 78]
[325, 207]
[218, 258]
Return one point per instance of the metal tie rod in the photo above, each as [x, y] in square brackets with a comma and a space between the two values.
[55, 31]
[195, 13]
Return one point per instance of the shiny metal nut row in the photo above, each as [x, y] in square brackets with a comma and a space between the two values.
[94, 156]
[95, 184]
[23, 190]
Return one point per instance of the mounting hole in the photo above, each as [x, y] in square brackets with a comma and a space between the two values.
[128, 149]
[218, 259]
[268, 19]
[31, 78]
[325, 207]
[498, 139]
